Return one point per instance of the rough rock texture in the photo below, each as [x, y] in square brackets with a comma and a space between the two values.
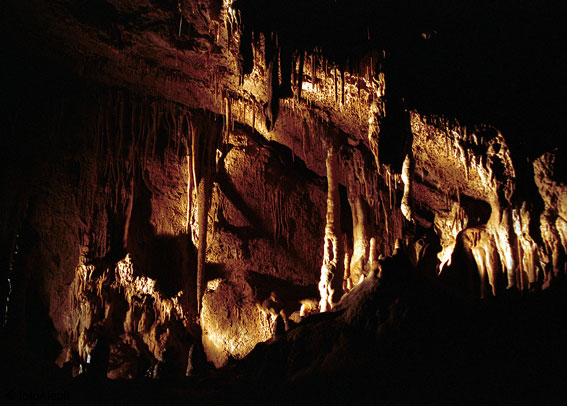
[268, 211]
[119, 116]
[232, 320]
[550, 180]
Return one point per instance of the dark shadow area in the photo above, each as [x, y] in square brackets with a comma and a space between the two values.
[395, 340]
[483, 61]
[169, 260]
[289, 293]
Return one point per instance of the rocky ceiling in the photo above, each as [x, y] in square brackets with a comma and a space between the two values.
[182, 180]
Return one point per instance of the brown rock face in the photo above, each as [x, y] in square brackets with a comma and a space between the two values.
[157, 153]
[233, 321]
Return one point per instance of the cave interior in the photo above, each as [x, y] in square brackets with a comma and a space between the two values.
[325, 201]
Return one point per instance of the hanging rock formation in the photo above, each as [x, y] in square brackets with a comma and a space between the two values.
[167, 165]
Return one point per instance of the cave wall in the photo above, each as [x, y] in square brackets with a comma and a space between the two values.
[109, 106]
[111, 181]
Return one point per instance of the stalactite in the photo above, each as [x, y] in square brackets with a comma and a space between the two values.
[253, 115]
[394, 191]
[155, 121]
[552, 249]
[553, 228]
[149, 130]
[107, 132]
[385, 218]
[128, 212]
[314, 72]
[448, 225]
[336, 91]
[194, 154]
[168, 120]
[229, 119]
[389, 176]
[190, 179]
[245, 105]
[342, 86]
[305, 146]
[561, 227]
[300, 74]
[203, 200]
[210, 134]
[271, 108]
[500, 226]
[135, 124]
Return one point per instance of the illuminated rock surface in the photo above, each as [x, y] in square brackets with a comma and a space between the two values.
[412, 147]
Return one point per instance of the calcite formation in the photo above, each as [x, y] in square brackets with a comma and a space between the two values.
[177, 147]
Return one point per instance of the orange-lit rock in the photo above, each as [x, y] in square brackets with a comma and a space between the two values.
[232, 320]
[152, 148]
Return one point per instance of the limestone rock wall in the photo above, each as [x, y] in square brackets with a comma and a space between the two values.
[112, 106]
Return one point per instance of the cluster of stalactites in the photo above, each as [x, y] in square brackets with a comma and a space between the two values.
[502, 249]
[301, 75]
[129, 133]
[505, 250]
[505, 247]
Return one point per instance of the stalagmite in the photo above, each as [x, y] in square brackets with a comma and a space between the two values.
[372, 258]
[330, 284]
[347, 282]
[360, 231]
[407, 175]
